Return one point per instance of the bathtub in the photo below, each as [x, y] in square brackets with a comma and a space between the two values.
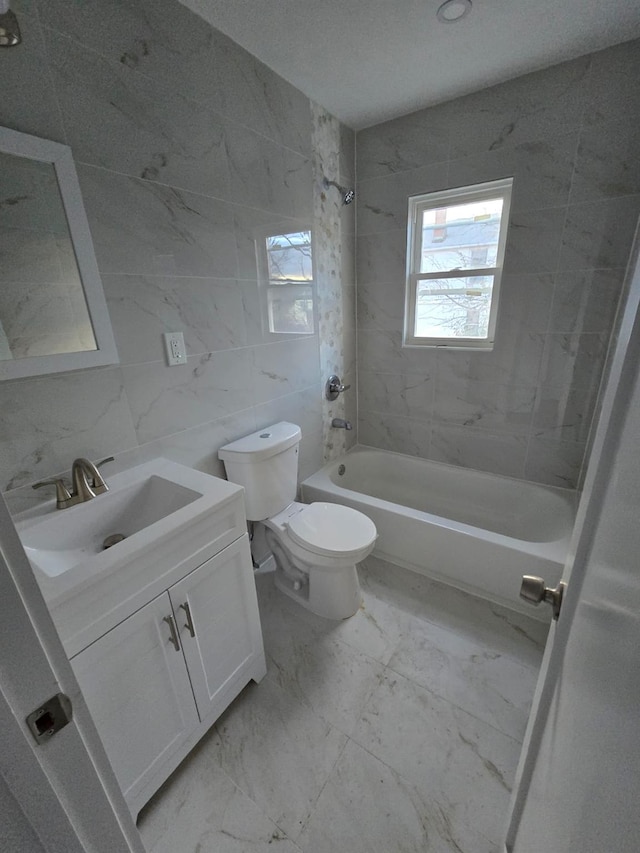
[476, 531]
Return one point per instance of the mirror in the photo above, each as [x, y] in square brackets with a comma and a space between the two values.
[53, 314]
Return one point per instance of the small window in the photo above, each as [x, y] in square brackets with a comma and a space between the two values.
[455, 251]
[286, 276]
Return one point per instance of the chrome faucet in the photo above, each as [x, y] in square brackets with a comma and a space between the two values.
[87, 483]
[340, 423]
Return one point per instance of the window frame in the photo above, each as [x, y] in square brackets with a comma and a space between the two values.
[428, 201]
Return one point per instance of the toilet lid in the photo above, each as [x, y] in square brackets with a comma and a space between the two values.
[332, 529]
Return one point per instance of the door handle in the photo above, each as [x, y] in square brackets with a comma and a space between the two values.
[174, 634]
[534, 590]
[189, 622]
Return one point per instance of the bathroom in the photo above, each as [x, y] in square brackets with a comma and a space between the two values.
[187, 148]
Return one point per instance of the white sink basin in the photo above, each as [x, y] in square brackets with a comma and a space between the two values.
[60, 542]
[156, 507]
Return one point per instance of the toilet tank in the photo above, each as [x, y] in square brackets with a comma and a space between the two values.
[266, 464]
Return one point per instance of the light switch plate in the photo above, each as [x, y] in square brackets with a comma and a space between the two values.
[174, 345]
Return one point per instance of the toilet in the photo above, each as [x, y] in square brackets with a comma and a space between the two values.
[316, 546]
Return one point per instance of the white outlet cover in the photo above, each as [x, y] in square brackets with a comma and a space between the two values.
[175, 348]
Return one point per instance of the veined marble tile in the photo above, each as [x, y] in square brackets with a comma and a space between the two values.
[534, 240]
[525, 302]
[381, 351]
[607, 162]
[347, 162]
[366, 807]
[301, 407]
[380, 306]
[411, 436]
[209, 311]
[383, 201]
[126, 122]
[574, 361]
[484, 405]
[586, 301]
[405, 394]
[491, 687]
[461, 763]
[382, 257]
[514, 360]
[372, 631]
[200, 808]
[266, 175]
[328, 677]
[611, 94]
[150, 229]
[531, 107]
[541, 169]
[473, 619]
[409, 142]
[282, 368]
[165, 400]
[196, 447]
[247, 91]
[28, 102]
[278, 751]
[565, 413]
[312, 450]
[599, 233]
[553, 462]
[499, 453]
[168, 42]
[86, 415]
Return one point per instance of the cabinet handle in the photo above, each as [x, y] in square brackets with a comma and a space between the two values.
[187, 613]
[174, 634]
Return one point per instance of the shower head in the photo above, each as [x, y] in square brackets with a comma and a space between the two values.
[9, 27]
[348, 194]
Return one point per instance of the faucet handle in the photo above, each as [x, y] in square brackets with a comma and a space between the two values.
[63, 495]
[104, 461]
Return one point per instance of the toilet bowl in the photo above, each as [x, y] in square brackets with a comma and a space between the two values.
[315, 546]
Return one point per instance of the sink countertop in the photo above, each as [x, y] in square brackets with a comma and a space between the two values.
[156, 502]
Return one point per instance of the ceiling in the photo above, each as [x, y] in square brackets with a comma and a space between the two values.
[371, 60]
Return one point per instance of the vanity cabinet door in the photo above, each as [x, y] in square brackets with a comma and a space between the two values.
[217, 614]
[136, 685]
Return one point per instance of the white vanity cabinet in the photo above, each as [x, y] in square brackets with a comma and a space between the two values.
[159, 679]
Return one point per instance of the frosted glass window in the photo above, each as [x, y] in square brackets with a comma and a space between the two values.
[456, 246]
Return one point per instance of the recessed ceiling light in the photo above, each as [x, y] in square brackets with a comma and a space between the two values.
[453, 10]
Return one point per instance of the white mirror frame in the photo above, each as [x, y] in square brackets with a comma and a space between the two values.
[61, 158]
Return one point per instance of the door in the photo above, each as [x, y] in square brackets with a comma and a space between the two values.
[216, 610]
[578, 784]
[136, 685]
[62, 794]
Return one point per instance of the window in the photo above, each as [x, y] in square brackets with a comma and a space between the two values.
[286, 269]
[455, 251]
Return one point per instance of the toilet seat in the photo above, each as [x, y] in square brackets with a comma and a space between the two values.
[331, 530]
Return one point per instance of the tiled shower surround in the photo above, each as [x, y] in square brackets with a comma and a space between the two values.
[189, 151]
[569, 137]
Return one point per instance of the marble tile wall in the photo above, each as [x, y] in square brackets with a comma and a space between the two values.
[189, 151]
[333, 146]
[569, 137]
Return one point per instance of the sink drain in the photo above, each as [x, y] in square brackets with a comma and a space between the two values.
[112, 540]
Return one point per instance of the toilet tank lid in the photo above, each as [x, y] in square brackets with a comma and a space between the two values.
[261, 444]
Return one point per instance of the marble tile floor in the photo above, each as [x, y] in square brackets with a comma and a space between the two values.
[395, 731]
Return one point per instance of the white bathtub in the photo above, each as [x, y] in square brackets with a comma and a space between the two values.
[479, 532]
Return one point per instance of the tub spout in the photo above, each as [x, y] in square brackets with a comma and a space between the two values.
[340, 423]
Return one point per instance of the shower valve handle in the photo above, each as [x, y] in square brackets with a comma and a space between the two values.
[334, 387]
